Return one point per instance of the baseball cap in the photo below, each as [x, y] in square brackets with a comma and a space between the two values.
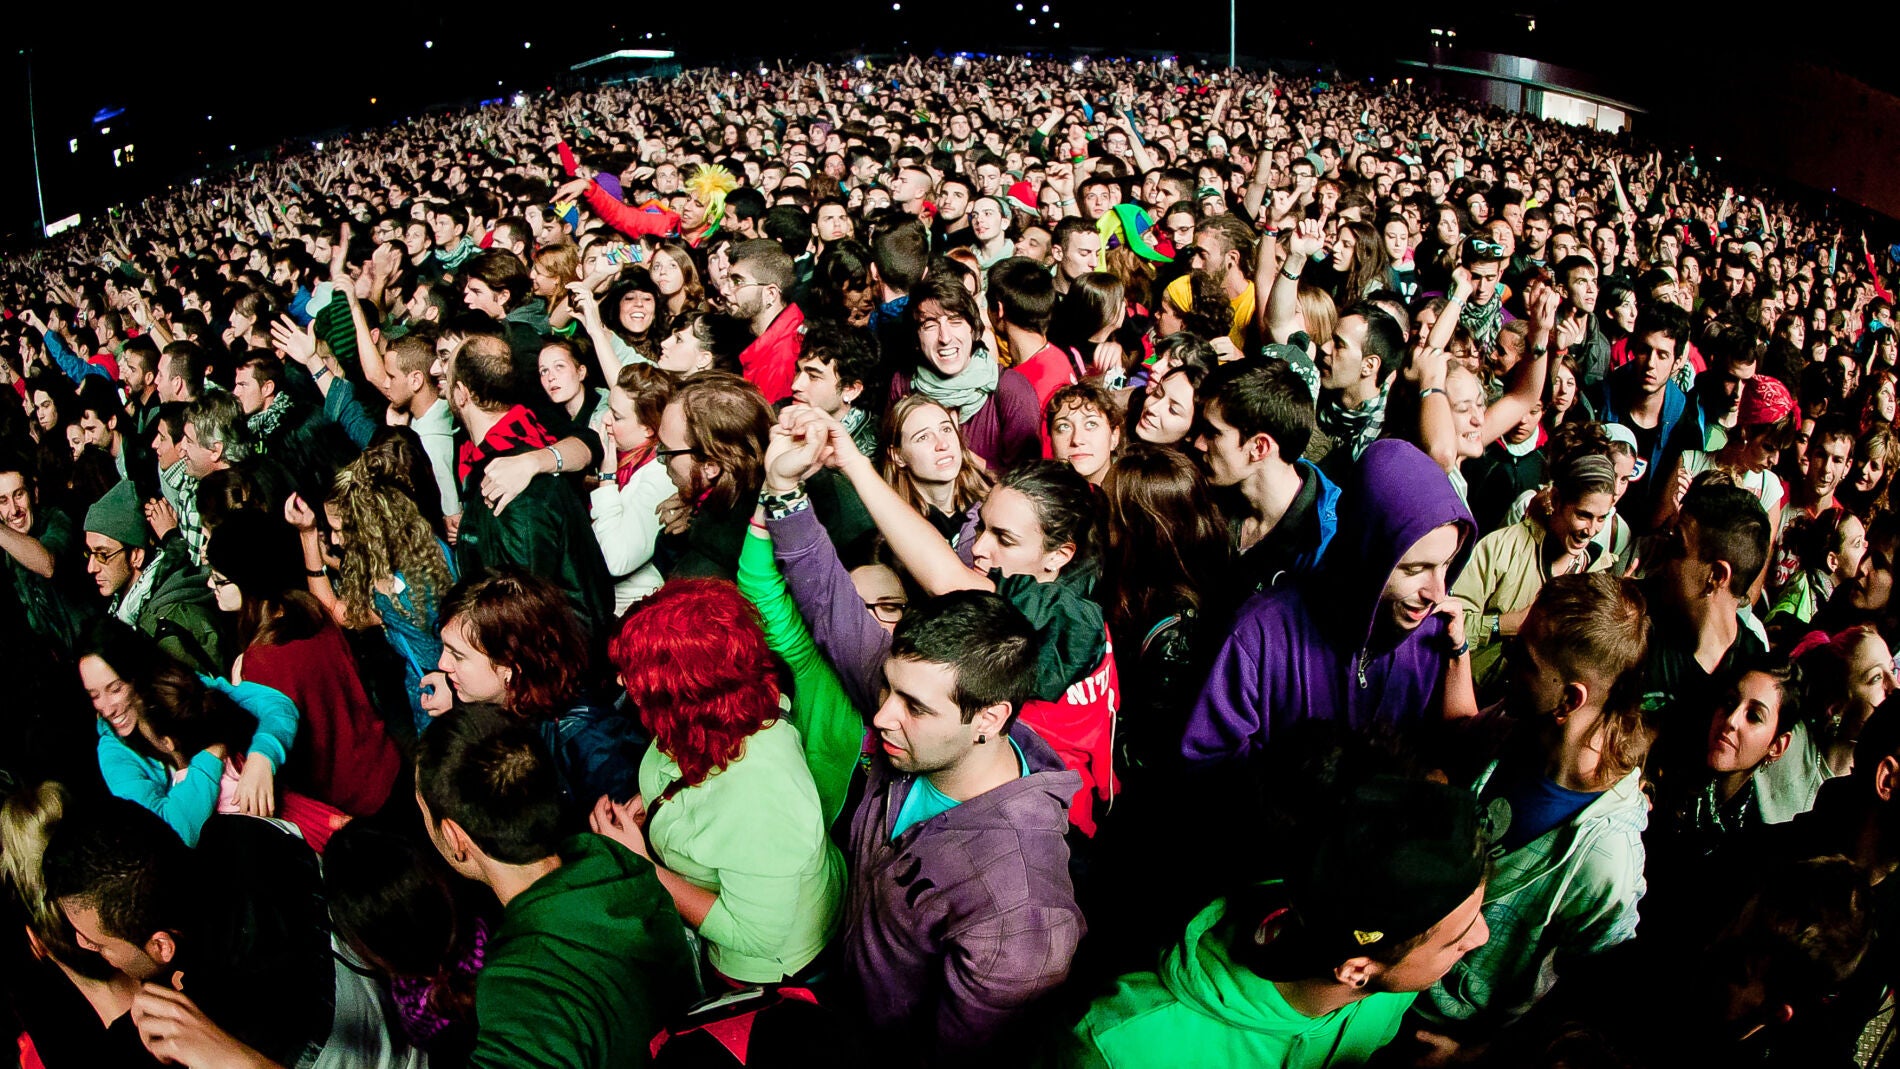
[1399, 857]
[1619, 433]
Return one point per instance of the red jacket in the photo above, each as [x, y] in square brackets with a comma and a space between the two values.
[771, 361]
[650, 219]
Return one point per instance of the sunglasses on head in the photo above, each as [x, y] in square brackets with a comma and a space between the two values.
[1487, 248]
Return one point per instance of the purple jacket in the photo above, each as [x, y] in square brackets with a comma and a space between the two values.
[955, 929]
[1310, 651]
[844, 631]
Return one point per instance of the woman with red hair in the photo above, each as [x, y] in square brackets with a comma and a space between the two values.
[512, 639]
[727, 811]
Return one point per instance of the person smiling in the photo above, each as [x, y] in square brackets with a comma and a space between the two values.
[1510, 565]
[995, 405]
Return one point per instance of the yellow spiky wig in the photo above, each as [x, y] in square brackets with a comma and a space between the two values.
[709, 186]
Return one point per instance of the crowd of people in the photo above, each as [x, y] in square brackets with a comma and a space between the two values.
[953, 560]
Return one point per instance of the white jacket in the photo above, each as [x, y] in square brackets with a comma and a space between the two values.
[626, 524]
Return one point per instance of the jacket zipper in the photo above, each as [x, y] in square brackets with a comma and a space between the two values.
[1360, 660]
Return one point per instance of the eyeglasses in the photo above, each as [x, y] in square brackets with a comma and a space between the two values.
[668, 454]
[101, 556]
[219, 582]
[888, 611]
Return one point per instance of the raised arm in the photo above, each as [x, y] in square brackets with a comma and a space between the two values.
[1525, 385]
[1283, 299]
[924, 553]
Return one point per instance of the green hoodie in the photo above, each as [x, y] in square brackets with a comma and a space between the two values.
[1205, 1010]
[589, 963]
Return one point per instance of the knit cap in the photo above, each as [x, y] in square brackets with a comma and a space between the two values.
[119, 516]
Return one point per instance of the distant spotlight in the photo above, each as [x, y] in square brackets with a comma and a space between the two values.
[1019, 7]
[1167, 64]
[521, 100]
[1078, 65]
[372, 100]
[1057, 25]
[428, 44]
[1045, 9]
[1533, 26]
[233, 148]
[207, 118]
[958, 62]
[897, 7]
[859, 64]
[105, 129]
[527, 44]
[1408, 81]
[1032, 22]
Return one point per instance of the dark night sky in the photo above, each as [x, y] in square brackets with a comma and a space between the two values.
[267, 72]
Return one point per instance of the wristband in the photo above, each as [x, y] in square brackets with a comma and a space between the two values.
[560, 462]
[322, 370]
[1463, 648]
[779, 506]
[1430, 390]
[315, 573]
[1290, 276]
[1540, 350]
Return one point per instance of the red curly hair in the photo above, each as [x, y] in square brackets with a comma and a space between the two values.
[694, 661]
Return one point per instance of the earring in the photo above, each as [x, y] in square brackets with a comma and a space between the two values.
[981, 738]
[1361, 982]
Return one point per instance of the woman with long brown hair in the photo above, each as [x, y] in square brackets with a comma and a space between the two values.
[1167, 552]
[926, 462]
[345, 756]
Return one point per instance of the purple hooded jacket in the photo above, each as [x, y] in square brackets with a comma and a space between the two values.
[955, 929]
[1310, 651]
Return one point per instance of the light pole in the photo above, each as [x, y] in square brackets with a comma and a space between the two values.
[33, 129]
[1233, 34]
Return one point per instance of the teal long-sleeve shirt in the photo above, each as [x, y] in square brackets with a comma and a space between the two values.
[186, 804]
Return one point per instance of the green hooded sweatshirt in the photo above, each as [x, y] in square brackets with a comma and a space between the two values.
[1205, 1011]
[589, 963]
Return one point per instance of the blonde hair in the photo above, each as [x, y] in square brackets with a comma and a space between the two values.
[26, 826]
[1595, 628]
[1318, 314]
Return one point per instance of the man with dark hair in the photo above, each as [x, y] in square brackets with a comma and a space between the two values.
[544, 528]
[495, 283]
[1327, 960]
[236, 927]
[181, 372]
[961, 911]
[1076, 247]
[1256, 422]
[1224, 246]
[1022, 299]
[138, 371]
[1699, 580]
[745, 208]
[1577, 277]
[760, 283]
[1642, 395]
[952, 229]
[152, 584]
[1355, 378]
[43, 558]
[833, 371]
[590, 959]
